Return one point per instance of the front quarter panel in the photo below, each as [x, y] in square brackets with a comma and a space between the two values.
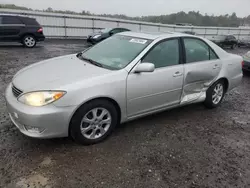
[112, 85]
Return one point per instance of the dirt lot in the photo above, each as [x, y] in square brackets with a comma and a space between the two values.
[186, 147]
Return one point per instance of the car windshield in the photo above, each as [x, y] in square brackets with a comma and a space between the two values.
[106, 30]
[116, 52]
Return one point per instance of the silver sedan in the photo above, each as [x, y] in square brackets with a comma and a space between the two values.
[127, 76]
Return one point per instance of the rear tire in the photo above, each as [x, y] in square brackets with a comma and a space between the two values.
[215, 94]
[29, 41]
[93, 122]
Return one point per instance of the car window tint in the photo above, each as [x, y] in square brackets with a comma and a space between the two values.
[11, 20]
[114, 31]
[212, 55]
[30, 21]
[123, 30]
[196, 50]
[164, 54]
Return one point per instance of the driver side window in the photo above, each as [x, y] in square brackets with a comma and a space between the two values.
[164, 54]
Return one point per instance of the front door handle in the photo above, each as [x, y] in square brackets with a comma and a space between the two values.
[178, 73]
[215, 66]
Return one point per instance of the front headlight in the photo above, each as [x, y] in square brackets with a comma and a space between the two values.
[96, 36]
[40, 98]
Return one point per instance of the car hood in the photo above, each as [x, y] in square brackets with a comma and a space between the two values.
[53, 74]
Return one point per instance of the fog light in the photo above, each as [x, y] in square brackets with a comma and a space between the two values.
[34, 129]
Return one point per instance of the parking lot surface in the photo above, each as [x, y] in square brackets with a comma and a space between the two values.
[185, 147]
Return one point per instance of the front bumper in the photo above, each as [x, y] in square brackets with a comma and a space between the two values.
[92, 40]
[51, 120]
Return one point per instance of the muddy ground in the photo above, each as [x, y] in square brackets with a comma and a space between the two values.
[186, 147]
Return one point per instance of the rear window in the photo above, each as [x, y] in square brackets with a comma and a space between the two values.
[231, 37]
[11, 20]
[30, 21]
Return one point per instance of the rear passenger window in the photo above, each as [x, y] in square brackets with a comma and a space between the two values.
[11, 20]
[30, 21]
[197, 50]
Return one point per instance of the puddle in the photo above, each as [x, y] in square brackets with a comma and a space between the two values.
[35, 181]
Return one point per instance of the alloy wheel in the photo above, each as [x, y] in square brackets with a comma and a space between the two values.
[95, 123]
[29, 41]
[217, 93]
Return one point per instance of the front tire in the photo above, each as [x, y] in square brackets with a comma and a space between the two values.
[93, 122]
[233, 46]
[215, 94]
[29, 41]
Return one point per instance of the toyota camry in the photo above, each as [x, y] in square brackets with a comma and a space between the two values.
[129, 75]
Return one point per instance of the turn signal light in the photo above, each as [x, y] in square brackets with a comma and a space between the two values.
[58, 96]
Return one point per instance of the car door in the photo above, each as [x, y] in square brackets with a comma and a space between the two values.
[202, 66]
[147, 92]
[11, 27]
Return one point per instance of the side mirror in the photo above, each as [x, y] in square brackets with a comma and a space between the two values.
[145, 67]
[111, 33]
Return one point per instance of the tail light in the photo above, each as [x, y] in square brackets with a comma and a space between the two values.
[242, 63]
[40, 30]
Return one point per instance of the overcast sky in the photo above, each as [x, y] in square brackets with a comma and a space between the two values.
[141, 7]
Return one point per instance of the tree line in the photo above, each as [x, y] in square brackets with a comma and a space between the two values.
[192, 17]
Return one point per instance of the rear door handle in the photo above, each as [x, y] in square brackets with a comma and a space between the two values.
[178, 73]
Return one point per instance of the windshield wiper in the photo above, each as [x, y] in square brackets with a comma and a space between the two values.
[79, 55]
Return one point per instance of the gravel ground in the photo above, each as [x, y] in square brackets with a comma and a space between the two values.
[185, 147]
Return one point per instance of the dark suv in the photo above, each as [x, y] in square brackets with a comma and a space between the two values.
[20, 29]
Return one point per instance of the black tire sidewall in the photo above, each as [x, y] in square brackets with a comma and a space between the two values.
[209, 101]
[23, 41]
[74, 128]
[234, 46]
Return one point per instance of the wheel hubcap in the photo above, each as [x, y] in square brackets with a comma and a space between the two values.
[29, 41]
[217, 93]
[96, 123]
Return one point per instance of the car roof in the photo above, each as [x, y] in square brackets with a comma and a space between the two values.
[153, 35]
[16, 16]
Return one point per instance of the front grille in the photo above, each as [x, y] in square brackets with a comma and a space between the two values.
[16, 92]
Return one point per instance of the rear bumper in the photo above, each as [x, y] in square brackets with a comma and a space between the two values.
[40, 38]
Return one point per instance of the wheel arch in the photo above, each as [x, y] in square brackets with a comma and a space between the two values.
[114, 102]
[28, 34]
[225, 80]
